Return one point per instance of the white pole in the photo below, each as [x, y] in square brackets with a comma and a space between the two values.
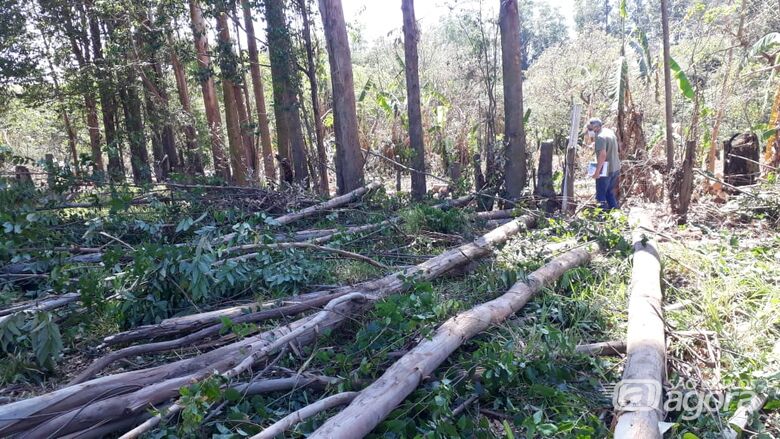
[573, 134]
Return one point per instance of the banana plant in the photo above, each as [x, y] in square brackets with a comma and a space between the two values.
[683, 83]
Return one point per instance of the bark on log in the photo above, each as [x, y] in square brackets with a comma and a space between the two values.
[640, 396]
[75, 408]
[496, 214]
[377, 400]
[245, 389]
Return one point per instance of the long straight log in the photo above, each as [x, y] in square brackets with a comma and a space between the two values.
[108, 398]
[639, 395]
[377, 400]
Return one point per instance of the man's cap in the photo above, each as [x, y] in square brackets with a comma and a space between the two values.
[595, 121]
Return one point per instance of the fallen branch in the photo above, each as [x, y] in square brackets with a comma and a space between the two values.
[179, 325]
[605, 348]
[743, 415]
[111, 397]
[32, 267]
[327, 205]
[298, 416]
[317, 208]
[190, 339]
[639, 399]
[286, 245]
[377, 400]
[246, 389]
[47, 304]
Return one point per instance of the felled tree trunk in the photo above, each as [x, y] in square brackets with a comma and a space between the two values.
[640, 396]
[741, 154]
[79, 407]
[375, 402]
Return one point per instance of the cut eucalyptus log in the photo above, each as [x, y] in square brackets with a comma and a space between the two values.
[375, 402]
[639, 396]
[109, 398]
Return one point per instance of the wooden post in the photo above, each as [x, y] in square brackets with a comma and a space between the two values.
[568, 205]
[639, 396]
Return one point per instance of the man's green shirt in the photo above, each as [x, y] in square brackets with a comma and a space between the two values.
[606, 139]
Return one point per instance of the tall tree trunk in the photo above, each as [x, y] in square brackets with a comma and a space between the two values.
[116, 171]
[416, 140]
[257, 88]
[235, 142]
[319, 128]
[168, 137]
[514, 131]
[131, 105]
[93, 128]
[234, 116]
[667, 87]
[205, 75]
[71, 142]
[158, 151]
[349, 159]
[63, 111]
[292, 149]
[79, 43]
[194, 161]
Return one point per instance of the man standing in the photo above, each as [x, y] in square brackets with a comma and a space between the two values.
[606, 155]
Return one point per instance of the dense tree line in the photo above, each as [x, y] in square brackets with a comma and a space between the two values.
[285, 91]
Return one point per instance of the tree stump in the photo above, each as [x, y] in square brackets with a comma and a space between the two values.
[544, 178]
[567, 191]
[741, 154]
[23, 176]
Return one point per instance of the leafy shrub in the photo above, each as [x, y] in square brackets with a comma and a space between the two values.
[420, 218]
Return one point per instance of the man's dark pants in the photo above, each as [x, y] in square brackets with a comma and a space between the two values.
[605, 191]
